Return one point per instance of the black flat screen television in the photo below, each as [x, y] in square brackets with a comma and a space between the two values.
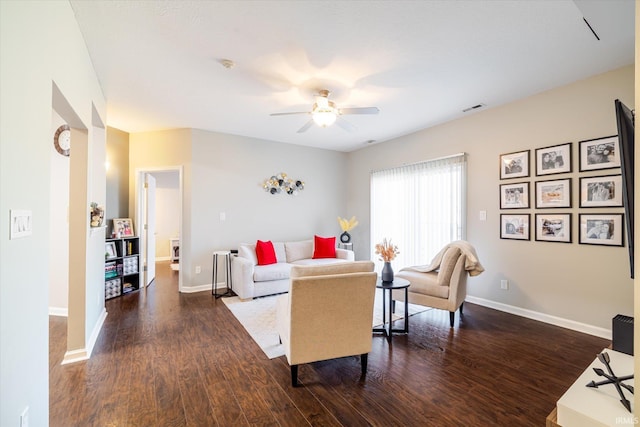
[625, 120]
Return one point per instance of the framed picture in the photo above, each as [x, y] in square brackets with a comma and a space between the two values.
[553, 194]
[553, 227]
[123, 227]
[514, 226]
[601, 229]
[600, 153]
[514, 165]
[601, 191]
[554, 159]
[514, 196]
[110, 251]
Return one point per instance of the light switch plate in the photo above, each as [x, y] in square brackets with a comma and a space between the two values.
[21, 223]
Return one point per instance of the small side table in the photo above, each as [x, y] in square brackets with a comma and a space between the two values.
[388, 288]
[227, 266]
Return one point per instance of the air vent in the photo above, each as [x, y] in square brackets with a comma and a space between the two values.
[475, 107]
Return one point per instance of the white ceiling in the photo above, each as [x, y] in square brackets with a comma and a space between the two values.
[420, 62]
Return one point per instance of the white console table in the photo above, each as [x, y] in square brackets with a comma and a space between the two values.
[583, 406]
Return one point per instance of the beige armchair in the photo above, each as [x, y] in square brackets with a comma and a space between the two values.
[443, 283]
[327, 313]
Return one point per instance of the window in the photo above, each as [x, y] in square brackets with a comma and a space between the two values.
[420, 207]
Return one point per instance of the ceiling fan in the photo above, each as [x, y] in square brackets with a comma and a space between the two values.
[324, 113]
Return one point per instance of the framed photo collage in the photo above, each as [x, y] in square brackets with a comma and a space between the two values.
[552, 190]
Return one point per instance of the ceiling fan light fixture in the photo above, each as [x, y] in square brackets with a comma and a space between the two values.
[324, 115]
[324, 118]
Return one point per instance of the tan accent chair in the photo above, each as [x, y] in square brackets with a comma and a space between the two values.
[327, 313]
[445, 288]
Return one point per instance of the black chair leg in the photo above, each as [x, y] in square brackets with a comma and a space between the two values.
[294, 375]
[452, 316]
[364, 359]
[461, 305]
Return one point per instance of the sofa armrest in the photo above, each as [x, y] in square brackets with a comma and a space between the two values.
[345, 254]
[242, 277]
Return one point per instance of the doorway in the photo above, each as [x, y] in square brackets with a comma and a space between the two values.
[163, 207]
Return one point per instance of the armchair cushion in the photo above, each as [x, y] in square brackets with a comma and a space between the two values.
[425, 284]
[447, 265]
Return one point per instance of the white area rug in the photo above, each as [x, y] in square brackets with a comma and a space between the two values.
[258, 317]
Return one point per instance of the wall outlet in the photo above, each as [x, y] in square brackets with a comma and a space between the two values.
[483, 215]
[24, 418]
[504, 284]
[198, 269]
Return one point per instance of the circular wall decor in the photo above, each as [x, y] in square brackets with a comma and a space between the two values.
[62, 140]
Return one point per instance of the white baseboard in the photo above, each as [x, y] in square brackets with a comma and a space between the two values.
[85, 353]
[74, 356]
[96, 330]
[193, 289]
[58, 311]
[546, 318]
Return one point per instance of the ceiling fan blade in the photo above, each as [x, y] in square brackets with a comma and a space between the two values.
[345, 124]
[288, 114]
[361, 110]
[306, 126]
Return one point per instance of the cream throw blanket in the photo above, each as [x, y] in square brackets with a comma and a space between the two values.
[472, 264]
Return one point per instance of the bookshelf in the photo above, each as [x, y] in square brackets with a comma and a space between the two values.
[121, 266]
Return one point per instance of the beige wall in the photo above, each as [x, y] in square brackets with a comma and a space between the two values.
[575, 285]
[59, 227]
[32, 36]
[163, 150]
[224, 173]
[117, 205]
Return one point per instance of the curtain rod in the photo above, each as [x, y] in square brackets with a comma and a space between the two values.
[422, 161]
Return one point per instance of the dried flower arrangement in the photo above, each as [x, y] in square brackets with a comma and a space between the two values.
[347, 225]
[386, 250]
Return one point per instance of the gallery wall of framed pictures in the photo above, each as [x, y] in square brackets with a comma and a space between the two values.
[542, 182]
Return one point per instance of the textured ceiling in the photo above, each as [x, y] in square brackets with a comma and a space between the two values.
[420, 62]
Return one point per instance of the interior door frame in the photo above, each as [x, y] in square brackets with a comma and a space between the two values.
[149, 218]
[139, 203]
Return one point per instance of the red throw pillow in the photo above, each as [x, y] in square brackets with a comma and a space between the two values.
[324, 247]
[265, 252]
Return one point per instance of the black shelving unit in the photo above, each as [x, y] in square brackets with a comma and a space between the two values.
[122, 267]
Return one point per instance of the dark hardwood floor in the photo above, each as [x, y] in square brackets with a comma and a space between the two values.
[170, 359]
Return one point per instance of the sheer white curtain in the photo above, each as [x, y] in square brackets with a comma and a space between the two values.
[420, 207]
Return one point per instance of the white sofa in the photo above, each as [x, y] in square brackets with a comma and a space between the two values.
[251, 280]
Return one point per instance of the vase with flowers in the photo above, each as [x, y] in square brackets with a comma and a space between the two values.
[346, 227]
[387, 252]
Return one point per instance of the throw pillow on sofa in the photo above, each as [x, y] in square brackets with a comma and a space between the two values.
[324, 247]
[265, 253]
